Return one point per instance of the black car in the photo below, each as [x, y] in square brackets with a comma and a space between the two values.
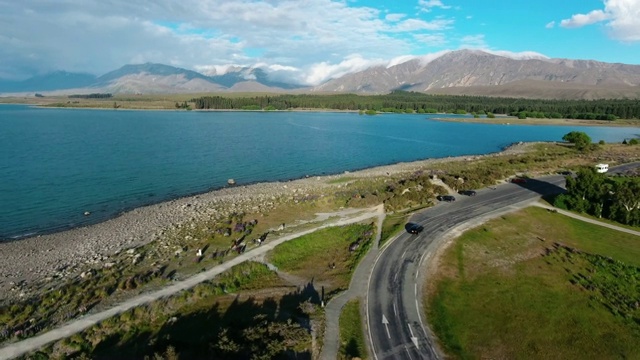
[467, 192]
[413, 228]
[447, 198]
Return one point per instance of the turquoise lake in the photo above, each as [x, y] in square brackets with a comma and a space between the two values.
[55, 164]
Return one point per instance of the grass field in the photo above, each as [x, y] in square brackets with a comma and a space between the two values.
[324, 256]
[536, 284]
[392, 225]
[246, 305]
[352, 343]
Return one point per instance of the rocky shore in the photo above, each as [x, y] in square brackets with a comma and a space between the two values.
[60, 255]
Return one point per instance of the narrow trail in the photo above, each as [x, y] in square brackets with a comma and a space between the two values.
[357, 287]
[589, 220]
[22, 347]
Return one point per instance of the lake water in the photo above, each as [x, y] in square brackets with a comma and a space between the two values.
[55, 164]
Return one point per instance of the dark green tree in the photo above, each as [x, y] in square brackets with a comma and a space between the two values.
[581, 140]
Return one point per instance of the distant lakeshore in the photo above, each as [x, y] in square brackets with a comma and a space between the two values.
[185, 102]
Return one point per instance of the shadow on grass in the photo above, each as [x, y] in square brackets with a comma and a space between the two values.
[273, 328]
[352, 350]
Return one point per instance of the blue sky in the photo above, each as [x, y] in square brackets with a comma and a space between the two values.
[307, 41]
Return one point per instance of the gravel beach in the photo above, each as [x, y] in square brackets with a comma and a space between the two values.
[59, 255]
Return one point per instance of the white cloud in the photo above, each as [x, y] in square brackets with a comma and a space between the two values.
[211, 70]
[431, 39]
[323, 71]
[425, 59]
[550, 25]
[99, 36]
[625, 19]
[473, 41]
[427, 5]
[400, 60]
[579, 20]
[622, 19]
[394, 17]
[524, 55]
[410, 25]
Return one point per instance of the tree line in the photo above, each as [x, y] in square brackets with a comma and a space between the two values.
[413, 102]
[91, 96]
[613, 198]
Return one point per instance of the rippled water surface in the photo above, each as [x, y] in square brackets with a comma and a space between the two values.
[55, 164]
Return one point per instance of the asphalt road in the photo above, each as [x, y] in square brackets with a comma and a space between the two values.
[395, 324]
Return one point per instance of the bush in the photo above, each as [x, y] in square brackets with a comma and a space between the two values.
[581, 140]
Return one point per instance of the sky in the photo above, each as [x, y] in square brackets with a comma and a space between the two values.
[304, 41]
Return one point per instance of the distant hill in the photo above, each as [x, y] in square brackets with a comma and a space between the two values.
[539, 89]
[57, 80]
[150, 78]
[248, 76]
[462, 72]
[476, 72]
[150, 69]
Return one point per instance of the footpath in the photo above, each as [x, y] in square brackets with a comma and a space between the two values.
[34, 343]
[586, 219]
[357, 287]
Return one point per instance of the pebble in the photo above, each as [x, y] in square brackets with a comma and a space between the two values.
[65, 251]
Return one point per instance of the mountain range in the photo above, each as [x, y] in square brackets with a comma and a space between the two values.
[462, 72]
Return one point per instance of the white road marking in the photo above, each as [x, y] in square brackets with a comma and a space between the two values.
[386, 325]
[408, 353]
[414, 339]
[395, 309]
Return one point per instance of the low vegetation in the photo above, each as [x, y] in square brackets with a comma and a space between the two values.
[173, 255]
[536, 284]
[613, 198]
[352, 343]
[609, 110]
[326, 256]
[222, 319]
[413, 102]
[247, 312]
[392, 225]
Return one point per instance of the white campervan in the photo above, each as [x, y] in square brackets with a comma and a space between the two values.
[602, 168]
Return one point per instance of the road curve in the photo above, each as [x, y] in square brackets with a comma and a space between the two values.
[394, 315]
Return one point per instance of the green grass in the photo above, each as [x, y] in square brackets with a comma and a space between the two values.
[340, 180]
[391, 226]
[538, 285]
[352, 344]
[247, 304]
[313, 256]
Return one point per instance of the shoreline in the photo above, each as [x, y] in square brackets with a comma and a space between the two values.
[510, 120]
[500, 119]
[60, 254]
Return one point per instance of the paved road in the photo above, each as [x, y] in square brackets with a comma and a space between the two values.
[394, 319]
[28, 345]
